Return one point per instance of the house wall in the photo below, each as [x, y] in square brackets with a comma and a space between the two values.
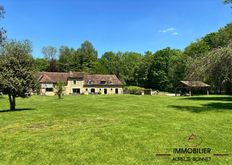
[68, 89]
[70, 86]
[110, 90]
[43, 91]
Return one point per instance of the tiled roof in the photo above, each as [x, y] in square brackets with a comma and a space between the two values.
[196, 84]
[89, 80]
[54, 77]
[98, 79]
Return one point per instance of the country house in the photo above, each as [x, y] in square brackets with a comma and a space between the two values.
[79, 83]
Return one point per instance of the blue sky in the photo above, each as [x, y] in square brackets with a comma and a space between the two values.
[116, 25]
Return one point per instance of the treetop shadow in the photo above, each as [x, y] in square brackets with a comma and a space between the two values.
[17, 109]
[204, 107]
[198, 98]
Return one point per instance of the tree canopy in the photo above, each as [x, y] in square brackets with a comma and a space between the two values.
[2, 30]
[16, 70]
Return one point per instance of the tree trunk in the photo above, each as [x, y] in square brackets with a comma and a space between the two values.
[12, 102]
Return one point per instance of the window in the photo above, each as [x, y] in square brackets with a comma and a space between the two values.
[103, 82]
[74, 81]
[76, 90]
[100, 89]
[111, 89]
[89, 82]
[86, 89]
[49, 89]
[116, 91]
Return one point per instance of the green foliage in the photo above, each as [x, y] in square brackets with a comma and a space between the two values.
[41, 64]
[133, 91]
[197, 48]
[162, 70]
[130, 62]
[112, 62]
[16, 70]
[59, 89]
[87, 56]
[227, 1]
[50, 55]
[209, 42]
[215, 67]
[49, 52]
[66, 60]
[166, 70]
[142, 71]
[2, 30]
[83, 59]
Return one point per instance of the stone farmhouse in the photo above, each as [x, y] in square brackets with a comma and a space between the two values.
[78, 83]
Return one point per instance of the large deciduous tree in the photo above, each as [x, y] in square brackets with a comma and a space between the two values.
[2, 30]
[16, 70]
[166, 69]
[215, 68]
[50, 54]
[41, 64]
[66, 60]
[87, 56]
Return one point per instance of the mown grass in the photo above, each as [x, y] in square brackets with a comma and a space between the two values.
[116, 129]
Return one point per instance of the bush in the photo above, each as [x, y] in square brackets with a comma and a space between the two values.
[135, 90]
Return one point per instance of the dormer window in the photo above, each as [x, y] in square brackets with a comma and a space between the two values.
[89, 82]
[103, 82]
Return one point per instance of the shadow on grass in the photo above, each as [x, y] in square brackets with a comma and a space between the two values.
[210, 98]
[205, 107]
[18, 109]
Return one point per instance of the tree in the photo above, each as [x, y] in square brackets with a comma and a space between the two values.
[67, 61]
[2, 30]
[227, 1]
[166, 70]
[113, 62]
[50, 54]
[16, 70]
[87, 56]
[60, 89]
[41, 64]
[130, 61]
[141, 72]
[99, 68]
[215, 68]
[195, 49]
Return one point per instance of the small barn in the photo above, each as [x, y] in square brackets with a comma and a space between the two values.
[188, 87]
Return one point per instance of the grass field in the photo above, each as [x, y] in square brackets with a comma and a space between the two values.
[120, 129]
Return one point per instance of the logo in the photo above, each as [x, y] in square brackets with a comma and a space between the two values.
[192, 141]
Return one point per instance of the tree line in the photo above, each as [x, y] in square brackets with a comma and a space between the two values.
[208, 59]
[161, 70]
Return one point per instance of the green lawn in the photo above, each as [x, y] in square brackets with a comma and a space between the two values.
[120, 129]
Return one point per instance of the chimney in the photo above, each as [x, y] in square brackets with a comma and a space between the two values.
[70, 74]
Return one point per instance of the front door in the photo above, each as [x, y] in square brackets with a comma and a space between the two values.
[76, 91]
[116, 91]
[105, 91]
[92, 90]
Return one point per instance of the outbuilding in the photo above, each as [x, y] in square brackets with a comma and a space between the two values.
[188, 87]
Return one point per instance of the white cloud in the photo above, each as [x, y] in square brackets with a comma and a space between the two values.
[175, 33]
[170, 30]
